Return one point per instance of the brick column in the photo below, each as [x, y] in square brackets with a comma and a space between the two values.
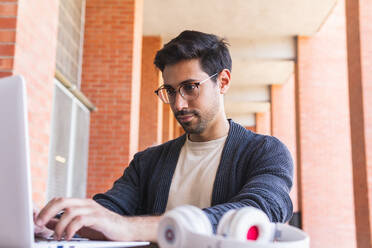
[323, 130]
[263, 123]
[283, 119]
[8, 20]
[359, 42]
[151, 112]
[252, 128]
[176, 128]
[168, 124]
[111, 79]
[28, 40]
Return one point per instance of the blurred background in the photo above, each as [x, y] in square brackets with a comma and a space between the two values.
[302, 71]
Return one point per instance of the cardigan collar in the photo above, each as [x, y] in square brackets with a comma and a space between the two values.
[169, 163]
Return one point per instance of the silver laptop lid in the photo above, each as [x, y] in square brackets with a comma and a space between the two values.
[16, 223]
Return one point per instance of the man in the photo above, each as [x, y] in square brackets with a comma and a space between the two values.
[217, 165]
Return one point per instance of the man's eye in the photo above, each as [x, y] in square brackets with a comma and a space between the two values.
[189, 87]
[170, 91]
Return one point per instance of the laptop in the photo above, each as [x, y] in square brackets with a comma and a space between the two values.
[16, 220]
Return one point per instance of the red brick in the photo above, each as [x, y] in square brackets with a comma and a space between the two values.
[324, 144]
[151, 106]
[283, 119]
[35, 60]
[7, 50]
[107, 49]
[251, 128]
[263, 123]
[6, 63]
[7, 36]
[8, 9]
[359, 32]
[168, 123]
[8, 22]
[5, 74]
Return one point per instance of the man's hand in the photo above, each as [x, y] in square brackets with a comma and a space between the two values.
[41, 232]
[91, 220]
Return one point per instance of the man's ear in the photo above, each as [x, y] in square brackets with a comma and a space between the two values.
[224, 78]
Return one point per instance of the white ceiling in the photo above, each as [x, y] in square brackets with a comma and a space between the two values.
[261, 72]
[250, 19]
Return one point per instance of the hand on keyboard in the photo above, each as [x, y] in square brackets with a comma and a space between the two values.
[41, 231]
[84, 217]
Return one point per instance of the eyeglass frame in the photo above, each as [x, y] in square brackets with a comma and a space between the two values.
[197, 84]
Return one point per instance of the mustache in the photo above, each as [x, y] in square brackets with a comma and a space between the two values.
[186, 112]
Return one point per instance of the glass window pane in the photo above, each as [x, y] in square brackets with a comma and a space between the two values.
[70, 23]
[59, 147]
[79, 177]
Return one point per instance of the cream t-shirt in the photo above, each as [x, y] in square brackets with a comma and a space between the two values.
[193, 179]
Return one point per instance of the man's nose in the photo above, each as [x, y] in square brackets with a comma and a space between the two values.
[179, 102]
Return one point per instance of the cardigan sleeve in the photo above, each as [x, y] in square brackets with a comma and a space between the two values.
[123, 197]
[267, 184]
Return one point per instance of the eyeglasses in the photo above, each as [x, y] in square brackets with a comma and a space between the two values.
[188, 91]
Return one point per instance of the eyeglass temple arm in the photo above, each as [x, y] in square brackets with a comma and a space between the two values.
[207, 78]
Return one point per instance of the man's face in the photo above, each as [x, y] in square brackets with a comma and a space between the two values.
[193, 115]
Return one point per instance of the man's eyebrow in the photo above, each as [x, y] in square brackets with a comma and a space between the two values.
[183, 82]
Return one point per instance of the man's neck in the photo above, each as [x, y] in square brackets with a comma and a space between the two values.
[214, 131]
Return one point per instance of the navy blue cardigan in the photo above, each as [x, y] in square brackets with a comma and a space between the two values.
[255, 170]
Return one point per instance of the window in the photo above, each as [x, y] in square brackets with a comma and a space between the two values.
[68, 156]
[70, 39]
[69, 142]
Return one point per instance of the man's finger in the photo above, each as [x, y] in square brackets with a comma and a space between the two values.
[54, 207]
[76, 224]
[67, 217]
[43, 232]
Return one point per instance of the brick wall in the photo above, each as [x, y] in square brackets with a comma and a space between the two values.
[151, 112]
[263, 123]
[168, 123]
[8, 22]
[359, 43]
[252, 128]
[283, 120]
[177, 128]
[324, 144]
[28, 35]
[111, 79]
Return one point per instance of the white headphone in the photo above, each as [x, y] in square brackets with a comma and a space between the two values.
[248, 227]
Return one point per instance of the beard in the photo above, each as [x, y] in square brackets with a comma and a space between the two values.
[196, 126]
[200, 121]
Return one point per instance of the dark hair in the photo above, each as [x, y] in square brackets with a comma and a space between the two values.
[211, 51]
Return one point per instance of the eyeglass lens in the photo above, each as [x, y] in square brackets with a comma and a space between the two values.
[187, 91]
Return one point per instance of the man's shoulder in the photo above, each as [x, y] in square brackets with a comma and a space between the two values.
[249, 138]
[162, 148]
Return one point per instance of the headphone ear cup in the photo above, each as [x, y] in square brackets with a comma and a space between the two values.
[250, 223]
[175, 224]
[224, 223]
[171, 230]
[195, 219]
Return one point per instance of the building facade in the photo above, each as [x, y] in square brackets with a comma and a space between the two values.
[301, 72]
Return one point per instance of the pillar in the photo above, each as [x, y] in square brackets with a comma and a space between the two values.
[359, 44]
[323, 135]
[28, 33]
[168, 123]
[151, 108]
[111, 76]
[251, 128]
[283, 119]
[263, 123]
